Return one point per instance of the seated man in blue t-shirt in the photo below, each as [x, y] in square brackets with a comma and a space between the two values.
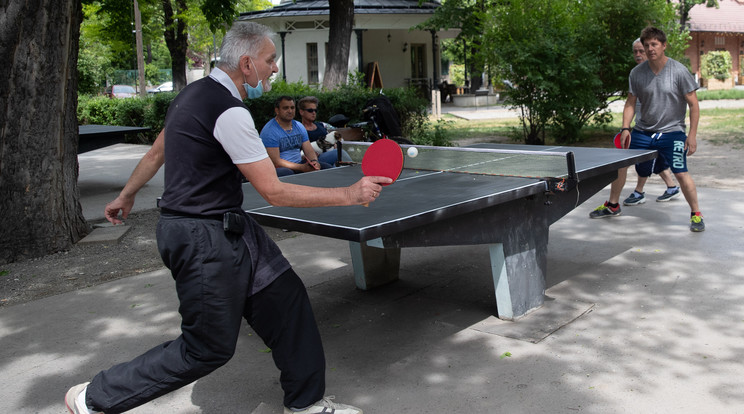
[287, 143]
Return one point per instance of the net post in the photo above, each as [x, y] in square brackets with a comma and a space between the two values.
[571, 166]
[571, 180]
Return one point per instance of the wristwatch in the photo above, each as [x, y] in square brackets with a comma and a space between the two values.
[626, 129]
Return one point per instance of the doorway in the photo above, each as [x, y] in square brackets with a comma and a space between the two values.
[419, 80]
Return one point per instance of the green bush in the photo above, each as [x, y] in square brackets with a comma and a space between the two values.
[158, 108]
[291, 89]
[716, 65]
[457, 74]
[148, 112]
[131, 112]
[97, 110]
[422, 132]
[348, 100]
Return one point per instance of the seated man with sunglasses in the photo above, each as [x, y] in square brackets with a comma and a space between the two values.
[317, 131]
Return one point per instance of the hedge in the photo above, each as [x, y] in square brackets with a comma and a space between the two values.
[716, 65]
[347, 100]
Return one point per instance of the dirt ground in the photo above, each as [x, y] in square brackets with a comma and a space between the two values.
[714, 165]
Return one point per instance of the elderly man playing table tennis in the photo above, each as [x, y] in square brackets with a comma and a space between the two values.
[225, 267]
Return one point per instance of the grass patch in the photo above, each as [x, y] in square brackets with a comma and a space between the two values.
[485, 129]
[718, 126]
[721, 94]
[722, 127]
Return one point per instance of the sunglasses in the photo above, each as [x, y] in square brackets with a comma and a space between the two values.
[311, 110]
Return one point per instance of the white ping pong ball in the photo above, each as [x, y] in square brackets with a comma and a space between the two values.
[412, 152]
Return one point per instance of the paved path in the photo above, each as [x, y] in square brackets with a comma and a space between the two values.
[664, 333]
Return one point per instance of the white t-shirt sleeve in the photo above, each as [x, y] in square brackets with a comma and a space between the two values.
[237, 133]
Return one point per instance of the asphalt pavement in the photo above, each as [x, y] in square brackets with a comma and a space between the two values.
[660, 328]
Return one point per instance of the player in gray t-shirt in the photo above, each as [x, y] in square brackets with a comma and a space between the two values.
[659, 166]
[665, 88]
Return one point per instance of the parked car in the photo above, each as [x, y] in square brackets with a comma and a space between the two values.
[120, 91]
[165, 87]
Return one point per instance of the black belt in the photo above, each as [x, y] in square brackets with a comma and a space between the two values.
[170, 212]
[232, 222]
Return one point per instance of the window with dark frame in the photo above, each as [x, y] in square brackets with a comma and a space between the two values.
[312, 63]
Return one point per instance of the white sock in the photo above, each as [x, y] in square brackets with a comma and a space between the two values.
[670, 190]
[81, 400]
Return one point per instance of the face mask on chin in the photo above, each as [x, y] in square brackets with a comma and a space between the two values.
[254, 92]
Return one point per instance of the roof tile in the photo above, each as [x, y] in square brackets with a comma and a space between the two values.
[728, 18]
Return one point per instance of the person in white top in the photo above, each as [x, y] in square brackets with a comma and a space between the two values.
[225, 267]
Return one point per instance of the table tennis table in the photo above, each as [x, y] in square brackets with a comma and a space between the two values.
[511, 214]
[93, 137]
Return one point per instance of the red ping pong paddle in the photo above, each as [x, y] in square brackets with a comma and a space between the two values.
[384, 158]
[619, 142]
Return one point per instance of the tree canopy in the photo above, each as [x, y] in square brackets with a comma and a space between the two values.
[683, 8]
[173, 31]
[564, 59]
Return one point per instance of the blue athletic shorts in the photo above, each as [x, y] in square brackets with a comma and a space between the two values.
[671, 148]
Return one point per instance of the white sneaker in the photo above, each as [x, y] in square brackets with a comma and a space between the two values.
[326, 406]
[72, 401]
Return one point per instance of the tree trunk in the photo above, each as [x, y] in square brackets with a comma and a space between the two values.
[176, 40]
[40, 210]
[341, 22]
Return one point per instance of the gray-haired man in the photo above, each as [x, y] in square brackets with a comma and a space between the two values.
[224, 265]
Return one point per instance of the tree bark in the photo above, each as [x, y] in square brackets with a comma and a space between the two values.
[341, 22]
[177, 41]
[40, 210]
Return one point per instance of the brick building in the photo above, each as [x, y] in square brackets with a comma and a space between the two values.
[718, 29]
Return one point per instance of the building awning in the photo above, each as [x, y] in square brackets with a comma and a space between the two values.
[320, 8]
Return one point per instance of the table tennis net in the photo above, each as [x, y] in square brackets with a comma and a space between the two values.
[486, 161]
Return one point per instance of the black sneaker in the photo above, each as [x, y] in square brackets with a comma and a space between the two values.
[696, 223]
[668, 196]
[635, 199]
[605, 211]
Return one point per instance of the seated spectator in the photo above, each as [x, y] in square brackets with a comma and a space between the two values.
[287, 143]
[317, 130]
